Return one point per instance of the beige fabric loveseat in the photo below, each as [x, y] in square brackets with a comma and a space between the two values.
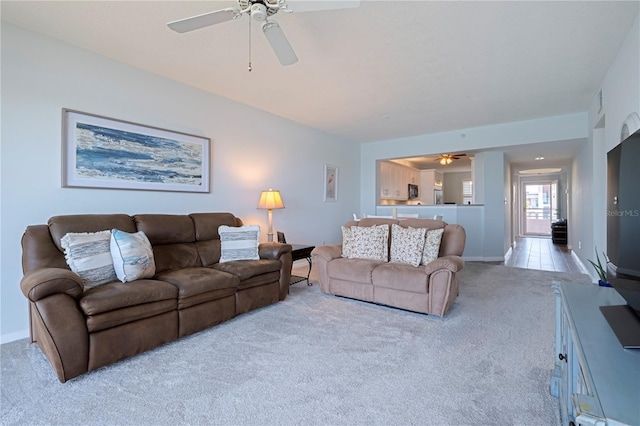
[429, 288]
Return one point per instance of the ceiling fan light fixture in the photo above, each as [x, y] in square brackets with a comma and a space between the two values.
[258, 12]
[446, 159]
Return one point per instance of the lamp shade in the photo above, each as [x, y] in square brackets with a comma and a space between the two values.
[270, 200]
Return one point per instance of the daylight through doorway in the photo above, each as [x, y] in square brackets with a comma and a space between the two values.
[540, 207]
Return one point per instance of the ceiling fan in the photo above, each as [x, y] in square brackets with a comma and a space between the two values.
[261, 11]
[446, 159]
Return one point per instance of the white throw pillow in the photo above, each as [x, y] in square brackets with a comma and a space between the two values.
[370, 242]
[431, 245]
[239, 242]
[89, 256]
[132, 255]
[407, 244]
[347, 242]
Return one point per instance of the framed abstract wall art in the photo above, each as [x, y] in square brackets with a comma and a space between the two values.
[102, 152]
[330, 183]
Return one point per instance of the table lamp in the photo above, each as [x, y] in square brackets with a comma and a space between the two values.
[270, 200]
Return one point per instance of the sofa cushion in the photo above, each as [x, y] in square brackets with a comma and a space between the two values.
[59, 226]
[168, 257]
[239, 242]
[117, 303]
[400, 276]
[206, 224]
[407, 244]
[355, 270]
[88, 255]
[259, 280]
[245, 269]
[431, 245]
[132, 255]
[370, 242]
[198, 285]
[165, 228]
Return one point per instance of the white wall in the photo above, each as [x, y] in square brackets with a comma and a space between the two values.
[452, 186]
[550, 129]
[621, 97]
[251, 151]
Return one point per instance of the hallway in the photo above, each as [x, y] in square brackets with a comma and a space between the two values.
[541, 253]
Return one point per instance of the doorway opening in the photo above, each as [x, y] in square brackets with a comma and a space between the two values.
[540, 201]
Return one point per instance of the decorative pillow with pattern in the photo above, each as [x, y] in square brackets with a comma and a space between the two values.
[89, 256]
[431, 245]
[370, 242]
[347, 241]
[239, 242]
[132, 255]
[407, 244]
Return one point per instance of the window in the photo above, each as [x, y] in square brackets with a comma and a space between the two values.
[467, 191]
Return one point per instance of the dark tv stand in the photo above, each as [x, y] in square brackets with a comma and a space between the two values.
[625, 324]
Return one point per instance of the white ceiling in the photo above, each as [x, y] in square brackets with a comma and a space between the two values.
[384, 70]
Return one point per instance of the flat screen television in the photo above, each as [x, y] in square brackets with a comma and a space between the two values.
[623, 234]
[413, 191]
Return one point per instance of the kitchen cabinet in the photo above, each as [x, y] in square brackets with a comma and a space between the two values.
[430, 180]
[394, 179]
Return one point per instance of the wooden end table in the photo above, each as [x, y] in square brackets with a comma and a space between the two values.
[299, 252]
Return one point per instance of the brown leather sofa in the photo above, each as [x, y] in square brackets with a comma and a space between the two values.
[80, 331]
[429, 289]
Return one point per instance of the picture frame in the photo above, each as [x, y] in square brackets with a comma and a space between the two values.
[330, 183]
[104, 152]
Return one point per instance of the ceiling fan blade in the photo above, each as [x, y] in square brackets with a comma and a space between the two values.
[201, 21]
[279, 43]
[316, 5]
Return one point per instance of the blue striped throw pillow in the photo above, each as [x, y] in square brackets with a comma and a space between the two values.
[89, 256]
[239, 242]
[132, 255]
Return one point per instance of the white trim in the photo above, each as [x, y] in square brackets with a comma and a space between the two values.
[483, 259]
[17, 335]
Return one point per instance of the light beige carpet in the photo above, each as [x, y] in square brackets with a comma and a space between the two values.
[316, 359]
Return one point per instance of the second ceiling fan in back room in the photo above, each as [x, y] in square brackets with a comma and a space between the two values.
[262, 11]
[446, 159]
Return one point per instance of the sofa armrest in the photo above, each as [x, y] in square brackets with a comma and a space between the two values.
[322, 256]
[451, 263]
[273, 250]
[281, 252]
[328, 252]
[44, 282]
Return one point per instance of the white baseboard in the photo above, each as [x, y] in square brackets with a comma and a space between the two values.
[508, 254]
[482, 259]
[579, 262]
[10, 337]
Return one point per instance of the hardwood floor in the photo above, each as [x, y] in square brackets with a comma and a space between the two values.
[541, 253]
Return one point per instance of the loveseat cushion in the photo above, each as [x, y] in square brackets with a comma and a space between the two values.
[199, 285]
[400, 276]
[245, 269]
[355, 270]
[117, 303]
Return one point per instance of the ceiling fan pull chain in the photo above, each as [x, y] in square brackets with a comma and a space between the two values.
[249, 44]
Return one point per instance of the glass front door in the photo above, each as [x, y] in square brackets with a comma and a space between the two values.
[540, 207]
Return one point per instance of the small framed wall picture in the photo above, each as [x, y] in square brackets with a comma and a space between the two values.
[330, 183]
